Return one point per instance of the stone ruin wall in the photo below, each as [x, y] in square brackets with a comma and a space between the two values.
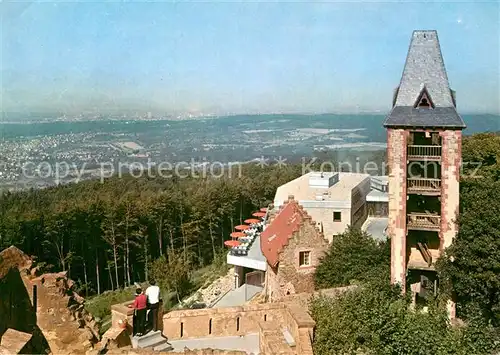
[268, 320]
[60, 320]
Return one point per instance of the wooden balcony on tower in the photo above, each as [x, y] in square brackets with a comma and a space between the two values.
[424, 186]
[424, 152]
[424, 221]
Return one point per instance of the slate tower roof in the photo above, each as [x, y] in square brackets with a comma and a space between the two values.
[423, 97]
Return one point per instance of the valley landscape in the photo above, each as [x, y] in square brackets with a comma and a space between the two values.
[42, 153]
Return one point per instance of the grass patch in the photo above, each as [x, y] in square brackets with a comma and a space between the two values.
[203, 277]
[100, 306]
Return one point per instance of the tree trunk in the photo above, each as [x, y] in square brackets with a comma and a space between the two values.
[116, 266]
[127, 246]
[124, 270]
[110, 276]
[183, 235]
[200, 258]
[85, 278]
[146, 257]
[222, 233]
[97, 274]
[62, 259]
[211, 236]
[184, 244]
[171, 239]
[127, 257]
[241, 211]
[159, 232]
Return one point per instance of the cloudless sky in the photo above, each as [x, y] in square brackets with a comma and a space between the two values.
[226, 57]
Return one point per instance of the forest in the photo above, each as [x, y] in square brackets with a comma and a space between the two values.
[106, 235]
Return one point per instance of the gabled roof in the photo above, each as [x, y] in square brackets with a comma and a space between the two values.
[424, 69]
[275, 237]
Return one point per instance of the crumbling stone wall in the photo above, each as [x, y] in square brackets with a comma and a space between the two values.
[60, 323]
[61, 316]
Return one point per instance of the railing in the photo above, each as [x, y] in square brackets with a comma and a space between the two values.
[424, 221]
[430, 151]
[423, 184]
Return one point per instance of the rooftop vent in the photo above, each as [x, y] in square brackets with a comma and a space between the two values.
[323, 180]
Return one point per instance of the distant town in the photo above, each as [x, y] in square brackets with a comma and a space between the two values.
[57, 150]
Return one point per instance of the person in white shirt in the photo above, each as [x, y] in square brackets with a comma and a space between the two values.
[153, 296]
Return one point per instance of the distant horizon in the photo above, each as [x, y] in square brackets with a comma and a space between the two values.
[157, 115]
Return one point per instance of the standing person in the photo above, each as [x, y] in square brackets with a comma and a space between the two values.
[140, 306]
[153, 295]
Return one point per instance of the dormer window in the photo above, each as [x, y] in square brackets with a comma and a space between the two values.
[424, 100]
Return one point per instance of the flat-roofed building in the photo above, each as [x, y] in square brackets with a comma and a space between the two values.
[334, 200]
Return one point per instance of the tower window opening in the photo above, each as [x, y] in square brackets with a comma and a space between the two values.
[424, 103]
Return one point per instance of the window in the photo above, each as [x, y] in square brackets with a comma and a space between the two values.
[337, 216]
[305, 258]
[424, 100]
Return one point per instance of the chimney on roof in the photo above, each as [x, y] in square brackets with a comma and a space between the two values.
[291, 197]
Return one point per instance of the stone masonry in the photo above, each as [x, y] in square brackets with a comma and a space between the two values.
[288, 277]
[450, 177]
[450, 167]
[396, 159]
[59, 323]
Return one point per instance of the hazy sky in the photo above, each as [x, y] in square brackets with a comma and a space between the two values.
[238, 56]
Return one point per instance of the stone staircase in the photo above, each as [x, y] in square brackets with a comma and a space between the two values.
[152, 340]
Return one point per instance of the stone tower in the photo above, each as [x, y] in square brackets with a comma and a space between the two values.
[424, 133]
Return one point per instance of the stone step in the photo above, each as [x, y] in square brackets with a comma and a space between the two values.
[148, 340]
[163, 347]
[152, 343]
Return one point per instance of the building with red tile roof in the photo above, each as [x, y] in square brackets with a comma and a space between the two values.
[293, 244]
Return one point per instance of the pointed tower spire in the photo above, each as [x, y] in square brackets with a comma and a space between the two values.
[424, 77]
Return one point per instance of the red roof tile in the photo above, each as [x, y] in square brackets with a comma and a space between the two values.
[276, 235]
